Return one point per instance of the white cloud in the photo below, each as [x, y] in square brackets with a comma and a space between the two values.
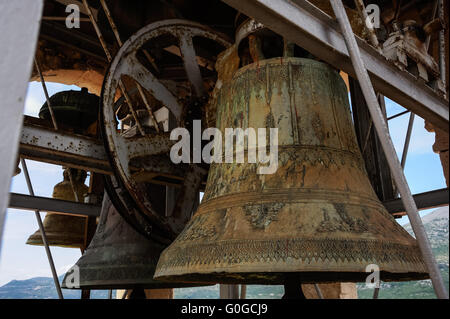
[32, 106]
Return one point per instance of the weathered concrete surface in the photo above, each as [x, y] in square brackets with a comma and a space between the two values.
[67, 66]
[18, 41]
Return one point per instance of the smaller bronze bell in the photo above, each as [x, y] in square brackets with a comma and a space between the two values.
[64, 230]
[118, 257]
[75, 109]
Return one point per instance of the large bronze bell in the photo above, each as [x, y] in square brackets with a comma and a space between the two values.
[317, 218]
[118, 257]
[64, 230]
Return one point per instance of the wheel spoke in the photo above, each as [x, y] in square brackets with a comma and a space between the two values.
[191, 64]
[152, 167]
[133, 68]
[148, 145]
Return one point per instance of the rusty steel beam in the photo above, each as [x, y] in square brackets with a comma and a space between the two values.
[44, 144]
[44, 204]
[51, 29]
[312, 29]
[432, 199]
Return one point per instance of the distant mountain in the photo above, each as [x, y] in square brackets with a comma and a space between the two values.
[42, 288]
[436, 225]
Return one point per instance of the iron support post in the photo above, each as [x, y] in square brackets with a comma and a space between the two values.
[385, 139]
[42, 230]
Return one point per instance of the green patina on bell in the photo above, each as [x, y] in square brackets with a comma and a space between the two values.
[76, 109]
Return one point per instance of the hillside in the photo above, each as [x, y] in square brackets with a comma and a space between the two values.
[41, 288]
[436, 226]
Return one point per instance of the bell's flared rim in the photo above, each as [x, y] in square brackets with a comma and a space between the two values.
[260, 253]
[123, 277]
[58, 239]
[280, 278]
[313, 269]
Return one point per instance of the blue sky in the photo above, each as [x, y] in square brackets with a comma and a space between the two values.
[20, 261]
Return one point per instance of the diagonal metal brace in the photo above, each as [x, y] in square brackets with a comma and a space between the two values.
[386, 142]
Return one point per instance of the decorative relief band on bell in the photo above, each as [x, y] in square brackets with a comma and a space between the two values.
[291, 195]
[304, 254]
[260, 216]
[310, 154]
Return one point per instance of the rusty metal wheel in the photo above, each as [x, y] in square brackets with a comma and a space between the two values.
[158, 80]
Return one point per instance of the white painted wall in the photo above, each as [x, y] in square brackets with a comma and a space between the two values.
[19, 25]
